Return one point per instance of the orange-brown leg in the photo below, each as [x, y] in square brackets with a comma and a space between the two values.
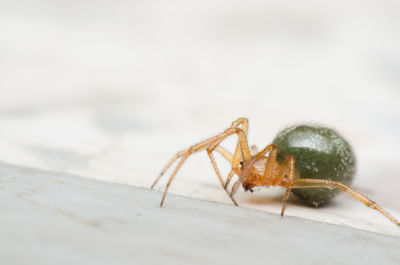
[178, 155]
[203, 145]
[243, 147]
[272, 150]
[320, 183]
[189, 152]
[237, 156]
[227, 155]
[254, 150]
[244, 123]
[173, 159]
[235, 187]
[290, 172]
[229, 178]
[234, 160]
[271, 162]
[287, 169]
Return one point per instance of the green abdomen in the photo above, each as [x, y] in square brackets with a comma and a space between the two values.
[320, 153]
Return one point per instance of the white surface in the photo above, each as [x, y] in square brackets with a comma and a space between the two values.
[52, 218]
[80, 142]
[112, 90]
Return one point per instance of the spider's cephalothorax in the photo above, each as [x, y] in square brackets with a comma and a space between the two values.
[262, 171]
[249, 176]
[313, 161]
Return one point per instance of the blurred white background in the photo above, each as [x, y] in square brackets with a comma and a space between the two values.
[111, 89]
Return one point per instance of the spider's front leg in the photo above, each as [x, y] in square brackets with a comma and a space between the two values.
[204, 144]
[212, 142]
[235, 168]
[235, 162]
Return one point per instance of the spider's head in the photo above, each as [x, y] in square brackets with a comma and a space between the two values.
[252, 172]
[247, 186]
[247, 175]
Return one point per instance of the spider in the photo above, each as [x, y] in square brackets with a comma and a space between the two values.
[312, 161]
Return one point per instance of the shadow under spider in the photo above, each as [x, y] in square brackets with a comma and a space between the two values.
[278, 199]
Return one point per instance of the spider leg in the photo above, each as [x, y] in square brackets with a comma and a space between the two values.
[235, 188]
[173, 159]
[320, 183]
[243, 147]
[271, 162]
[254, 150]
[237, 156]
[229, 178]
[204, 144]
[245, 127]
[289, 170]
[198, 147]
[226, 154]
[173, 175]
[210, 154]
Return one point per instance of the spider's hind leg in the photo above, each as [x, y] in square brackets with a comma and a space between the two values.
[321, 183]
